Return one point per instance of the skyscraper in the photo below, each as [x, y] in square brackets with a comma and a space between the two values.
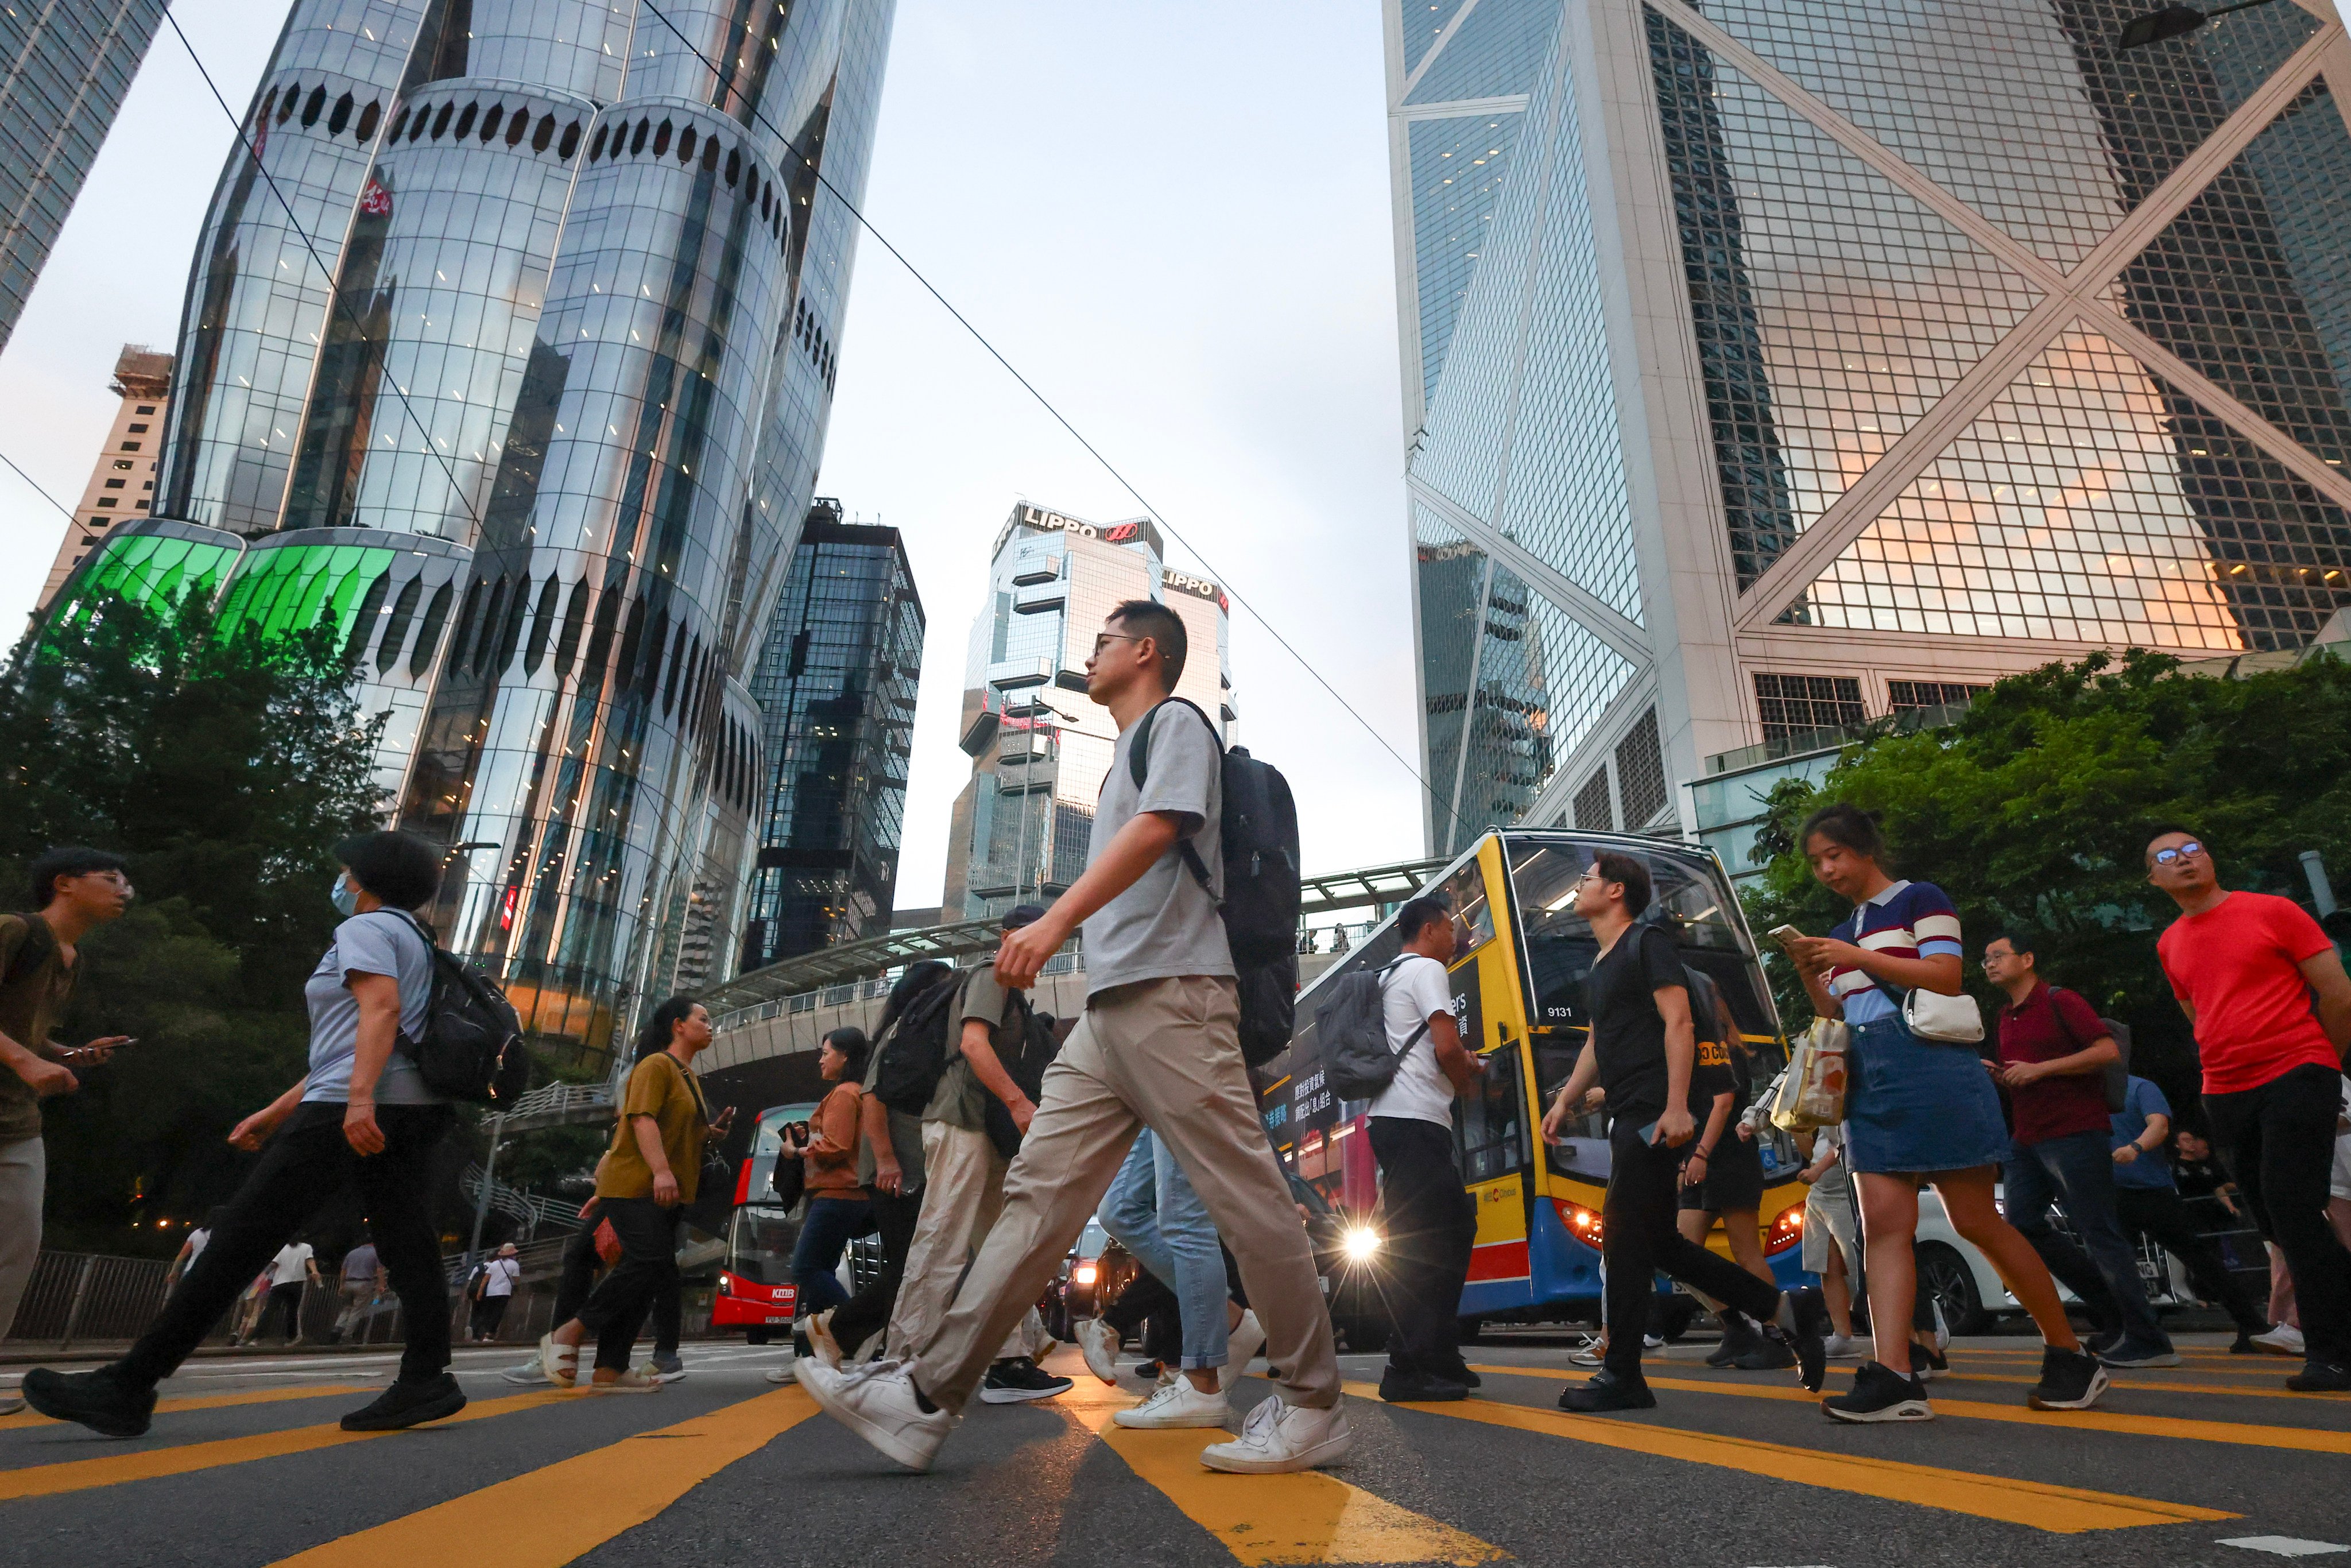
[1039, 750]
[510, 345]
[67, 64]
[1773, 366]
[835, 687]
[121, 487]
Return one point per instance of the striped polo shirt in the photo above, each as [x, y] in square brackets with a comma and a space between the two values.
[1907, 920]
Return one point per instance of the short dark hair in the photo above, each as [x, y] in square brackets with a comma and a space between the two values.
[2019, 943]
[1843, 823]
[1149, 618]
[67, 860]
[654, 1039]
[1629, 874]
[1418, 915]
[851, 1041]
[399, 868]
[2165, 830]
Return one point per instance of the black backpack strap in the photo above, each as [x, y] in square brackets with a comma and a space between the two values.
[1138, 767]
[1422, 1028]
[38, 944]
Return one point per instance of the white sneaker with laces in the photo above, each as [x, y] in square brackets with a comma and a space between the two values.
[1279, 1439]
[2283, 1340]
[788, 1372]
[1241, 1346]
[1173, 1405]
[530, 1375]
[1841, 1347]
[1099, 1344]
[821, 1340]
[877, 1402]
[1585, 1354]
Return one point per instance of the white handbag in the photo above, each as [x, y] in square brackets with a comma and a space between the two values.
[1954, 1020]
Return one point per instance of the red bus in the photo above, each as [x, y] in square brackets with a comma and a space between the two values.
[755, 1283]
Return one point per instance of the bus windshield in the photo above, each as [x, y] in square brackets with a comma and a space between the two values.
[760, 1243]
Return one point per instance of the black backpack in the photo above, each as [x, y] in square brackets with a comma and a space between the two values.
[1350, 1026]
[472, 1046]
[1025, 1065]
[1260, 826]
[914, 1048]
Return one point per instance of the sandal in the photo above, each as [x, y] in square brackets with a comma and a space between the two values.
[560, 1362]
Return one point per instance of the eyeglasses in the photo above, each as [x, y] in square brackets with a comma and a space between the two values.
[1106, 639]
[2165, 857]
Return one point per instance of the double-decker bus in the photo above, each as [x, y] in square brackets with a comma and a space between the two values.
[1519, 995]
[754, 1284]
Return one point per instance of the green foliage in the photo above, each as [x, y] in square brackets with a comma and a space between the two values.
[224, 769]
[2033, 811]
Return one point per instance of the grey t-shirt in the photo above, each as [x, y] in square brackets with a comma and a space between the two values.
[1165, 924]
[377, 943]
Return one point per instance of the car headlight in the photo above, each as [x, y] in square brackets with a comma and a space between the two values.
[1360, 1243]
[1085, 1274]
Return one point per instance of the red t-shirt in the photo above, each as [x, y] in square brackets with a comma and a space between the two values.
[2236, 965]
[2065, 1102]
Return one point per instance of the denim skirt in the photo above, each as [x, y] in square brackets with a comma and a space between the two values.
[1915, 1104]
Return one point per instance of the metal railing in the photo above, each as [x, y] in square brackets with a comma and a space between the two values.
[85, 1296]
[526, 1208]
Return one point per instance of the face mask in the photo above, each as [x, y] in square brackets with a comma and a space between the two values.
[346, 896]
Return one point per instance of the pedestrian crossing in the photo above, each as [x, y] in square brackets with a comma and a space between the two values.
[1400, 1501]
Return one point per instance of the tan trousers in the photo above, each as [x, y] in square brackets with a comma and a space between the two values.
[963, 1191]
[1167, 1054]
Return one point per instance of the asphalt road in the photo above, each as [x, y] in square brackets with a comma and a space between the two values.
[245, 1466]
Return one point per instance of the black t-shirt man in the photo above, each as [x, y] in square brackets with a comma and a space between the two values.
[1629, 1034]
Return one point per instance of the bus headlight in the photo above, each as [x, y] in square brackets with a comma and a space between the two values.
[1360, 1243]
[1581, 1223]
[1786, 1231]
[1085, 1274]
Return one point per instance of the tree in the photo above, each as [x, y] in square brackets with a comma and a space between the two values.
[224, 767]
[2032, 811]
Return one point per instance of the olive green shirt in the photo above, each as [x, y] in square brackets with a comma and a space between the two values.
[961, 1100]
[663, 1088]
[33, 996]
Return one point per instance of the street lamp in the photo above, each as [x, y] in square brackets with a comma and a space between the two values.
[2173, 22]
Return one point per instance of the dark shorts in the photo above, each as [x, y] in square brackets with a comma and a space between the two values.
[1734, 1178]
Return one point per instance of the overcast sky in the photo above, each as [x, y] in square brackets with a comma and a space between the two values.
[1172, 216]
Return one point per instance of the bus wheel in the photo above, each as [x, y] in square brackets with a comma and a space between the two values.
[757, 1336]
[1471, 1330]
[1675, 1317]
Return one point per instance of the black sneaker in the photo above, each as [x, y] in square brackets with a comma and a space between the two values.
[96, 1399]
[1880, 1394]
[1770, 1353]
[2070, 1380]
[1805, 1332]
[1926, 1361]
[1402, 1386]
[2321, 1377]
[2102, 1341]
[2243, 1343]
[1459, 1372]
[2127, 1355]
[406, 1404]
[1017, 1379]
[1739, 1339]
[1602, 1393]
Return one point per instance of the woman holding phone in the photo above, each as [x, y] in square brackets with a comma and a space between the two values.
[1917, 1113]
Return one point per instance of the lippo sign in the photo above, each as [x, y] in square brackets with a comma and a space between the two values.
[1135, 530]
[1197, 587]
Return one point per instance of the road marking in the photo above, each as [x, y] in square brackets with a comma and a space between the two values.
[200, 1402]
[147, 1464]
[2243, 1434]
[2166, 1386]
[550, 1516]
[2062, 1511]
[1304, 1518]
[2283, 1545]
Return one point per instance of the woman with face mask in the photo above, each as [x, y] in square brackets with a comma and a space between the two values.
[361, 1116]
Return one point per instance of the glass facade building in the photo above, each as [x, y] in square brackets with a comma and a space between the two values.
[1039, 750]
[68, 63]
[1764, 360]
[509, 343]
[835, 684]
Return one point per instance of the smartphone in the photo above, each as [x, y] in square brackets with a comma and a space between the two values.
[1649, 1134]
[1782, 934]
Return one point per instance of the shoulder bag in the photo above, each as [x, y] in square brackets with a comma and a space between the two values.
[1932, 1015]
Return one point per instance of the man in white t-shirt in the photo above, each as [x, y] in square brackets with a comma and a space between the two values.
[1431, 1219]
[495, 1289]
[295, 1265]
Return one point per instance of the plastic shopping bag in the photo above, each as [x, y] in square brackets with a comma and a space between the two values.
[1812, 1095]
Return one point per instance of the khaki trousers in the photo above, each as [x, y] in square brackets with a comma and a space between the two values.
[1167, 1054]
[963, 1191]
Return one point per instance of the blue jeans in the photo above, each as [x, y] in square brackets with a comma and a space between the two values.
[2078, 1171]
[831, 1225]
[1152, 1212]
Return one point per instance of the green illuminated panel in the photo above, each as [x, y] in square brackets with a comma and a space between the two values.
[296, 587]
[149, 569]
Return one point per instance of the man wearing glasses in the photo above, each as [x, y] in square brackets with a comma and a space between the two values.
[2246, 967]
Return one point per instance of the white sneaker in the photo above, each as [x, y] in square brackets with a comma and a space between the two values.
[2283, 1340]
[530, 1375]
[1099, 1344]
[1841, 1347]
[876, 1401]
[1278, 1438]
[11, 1405]
[788, 1372]
[1241, 1347]
[1586, 1354]
[1653, 1341]
[821, 1340]
[1176, 1403]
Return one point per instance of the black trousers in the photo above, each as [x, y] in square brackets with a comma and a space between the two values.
[2160, 1213]
[577, 1277]
[616, 1309]
[284, 1301]
[489, 1312]
[2278, 1142]
[1430, 1231]
[1639, 1241]
[305, 1164]
[867, 1312]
